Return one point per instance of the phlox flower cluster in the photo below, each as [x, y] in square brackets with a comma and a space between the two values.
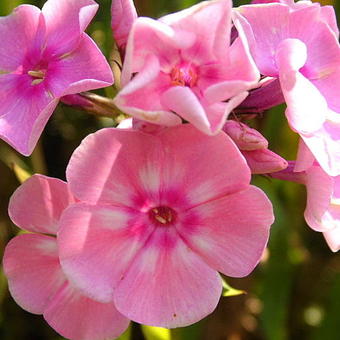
[155, 209]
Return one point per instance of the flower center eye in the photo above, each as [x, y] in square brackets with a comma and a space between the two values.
[162, 216]
[184, 75]
[38, 76]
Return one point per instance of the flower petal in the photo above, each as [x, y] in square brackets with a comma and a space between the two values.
[239, 74]
[75, 316]
[66, 20]
[212, 37]
[230, 233]
[319, 194]
[17, 31]
[167, 285]
[123, 13]
[333, 239]
[189, 155]
[304, 157]
[185, 103]
[151, 37]
[97, 244]
[84, 69]
[328, 83]
[291, 56]
[38, 203]
[141, 96]
[25, 106]
[104, 168]
[325, 146]
[263, 35]
[32, 267]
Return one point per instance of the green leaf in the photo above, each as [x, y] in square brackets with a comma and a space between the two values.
[156, 333]
[230, 291]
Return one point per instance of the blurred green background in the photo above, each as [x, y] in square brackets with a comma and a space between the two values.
[293, 294]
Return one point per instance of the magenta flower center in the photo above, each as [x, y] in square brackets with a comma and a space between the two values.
[162, 216]
[184, 75]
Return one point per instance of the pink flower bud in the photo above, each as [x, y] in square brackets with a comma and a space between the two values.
[76, 100]
[289, 174]
[244, 137]
[266, 96]
[264, 161]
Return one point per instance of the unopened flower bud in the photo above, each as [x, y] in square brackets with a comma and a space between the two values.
[244, 137]
[264, 161]
[289, 174]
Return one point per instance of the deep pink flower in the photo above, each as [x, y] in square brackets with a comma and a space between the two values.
[123, 15]
[298, 43]
[45, 55]
[159, 215]
[183, 65]
[31, 264]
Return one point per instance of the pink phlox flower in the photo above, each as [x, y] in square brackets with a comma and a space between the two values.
[35, 278]
[298, 44]
[158, 215]
[183, 67]
[44, 55]
[254, 148]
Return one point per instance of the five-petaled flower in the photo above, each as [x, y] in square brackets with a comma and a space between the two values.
[185, 65]
[44, 55]
[158, 215]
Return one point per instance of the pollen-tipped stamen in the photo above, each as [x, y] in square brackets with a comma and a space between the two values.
[162, 216]
[185, 75]
[38, 76]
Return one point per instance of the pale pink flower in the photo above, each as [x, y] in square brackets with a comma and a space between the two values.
[254, 148]
[44, 55]
[35, 278]
[183, 65]
[323, 205]
[298, 43]
[159, 215]
[322, 211]
[326, 12]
